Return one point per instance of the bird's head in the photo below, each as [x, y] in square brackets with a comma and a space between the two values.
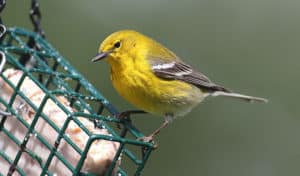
[121, 45]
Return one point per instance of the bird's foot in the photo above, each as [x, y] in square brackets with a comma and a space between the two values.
[148, 139]
[125, 115]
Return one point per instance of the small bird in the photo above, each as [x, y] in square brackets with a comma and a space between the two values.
[154, 79]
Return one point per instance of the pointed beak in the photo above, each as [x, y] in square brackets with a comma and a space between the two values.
[101, 56]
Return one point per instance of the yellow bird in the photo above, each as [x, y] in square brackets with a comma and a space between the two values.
[154, 79]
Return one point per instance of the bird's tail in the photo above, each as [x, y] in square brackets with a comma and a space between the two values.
[239, 96]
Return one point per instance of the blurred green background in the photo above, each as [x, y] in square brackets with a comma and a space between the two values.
[250, 46]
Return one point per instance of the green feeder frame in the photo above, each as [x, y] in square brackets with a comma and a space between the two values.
[54, 75]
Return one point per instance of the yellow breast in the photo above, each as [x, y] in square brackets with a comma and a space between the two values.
[152, 94]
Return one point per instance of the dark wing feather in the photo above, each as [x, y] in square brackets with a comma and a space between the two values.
[177, 70]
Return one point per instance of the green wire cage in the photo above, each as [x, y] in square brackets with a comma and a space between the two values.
[56, 78]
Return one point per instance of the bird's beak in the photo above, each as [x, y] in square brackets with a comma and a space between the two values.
[101, 56]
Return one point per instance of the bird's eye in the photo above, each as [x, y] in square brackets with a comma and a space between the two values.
[117, 44]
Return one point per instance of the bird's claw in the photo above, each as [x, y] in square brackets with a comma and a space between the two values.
[123, 115]
[148, 139]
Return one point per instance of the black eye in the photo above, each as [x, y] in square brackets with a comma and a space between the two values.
[117, 44]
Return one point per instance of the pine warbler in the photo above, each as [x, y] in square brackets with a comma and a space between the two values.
[154, 79]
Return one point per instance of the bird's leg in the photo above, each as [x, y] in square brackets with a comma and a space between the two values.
[168, 120]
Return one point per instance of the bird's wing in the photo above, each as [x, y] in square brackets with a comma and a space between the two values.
[178, 70]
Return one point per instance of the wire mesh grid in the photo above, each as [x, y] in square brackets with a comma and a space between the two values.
[56, 77]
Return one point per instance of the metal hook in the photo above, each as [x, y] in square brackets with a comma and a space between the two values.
[2, 30]
[3, 61]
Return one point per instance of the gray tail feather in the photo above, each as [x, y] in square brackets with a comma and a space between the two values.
[239, 96]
